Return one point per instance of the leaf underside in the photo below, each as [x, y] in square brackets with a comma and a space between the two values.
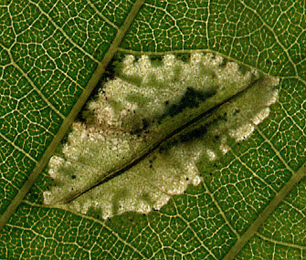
[140, 138]
[252, 206]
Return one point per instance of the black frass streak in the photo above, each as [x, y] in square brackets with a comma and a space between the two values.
[191, 99]
[176, 135]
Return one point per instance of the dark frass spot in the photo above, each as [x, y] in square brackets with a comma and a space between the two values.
[191, 99]
[145, 124]
[236, 111]
[151, 163]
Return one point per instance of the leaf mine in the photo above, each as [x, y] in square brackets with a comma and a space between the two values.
[145, 131]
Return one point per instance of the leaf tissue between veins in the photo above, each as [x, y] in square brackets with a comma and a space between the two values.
[146, 130]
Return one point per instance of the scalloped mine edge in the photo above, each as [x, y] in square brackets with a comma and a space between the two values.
[125, 105]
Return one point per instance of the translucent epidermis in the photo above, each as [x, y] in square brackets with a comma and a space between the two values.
[143, 106]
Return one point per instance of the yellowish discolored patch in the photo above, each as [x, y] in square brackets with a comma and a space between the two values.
[146, 129]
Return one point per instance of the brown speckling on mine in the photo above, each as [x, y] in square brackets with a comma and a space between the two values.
[170, 111]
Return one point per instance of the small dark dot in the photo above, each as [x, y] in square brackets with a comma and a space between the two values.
[72, 189]
[73, 176]
[187, 179]
[167, 102]
[236, 111]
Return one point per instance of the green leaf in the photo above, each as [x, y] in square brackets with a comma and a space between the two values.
[251, 205]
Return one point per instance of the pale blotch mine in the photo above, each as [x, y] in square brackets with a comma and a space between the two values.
[123, 121]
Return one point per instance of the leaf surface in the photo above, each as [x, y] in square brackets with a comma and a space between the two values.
[254, 198]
